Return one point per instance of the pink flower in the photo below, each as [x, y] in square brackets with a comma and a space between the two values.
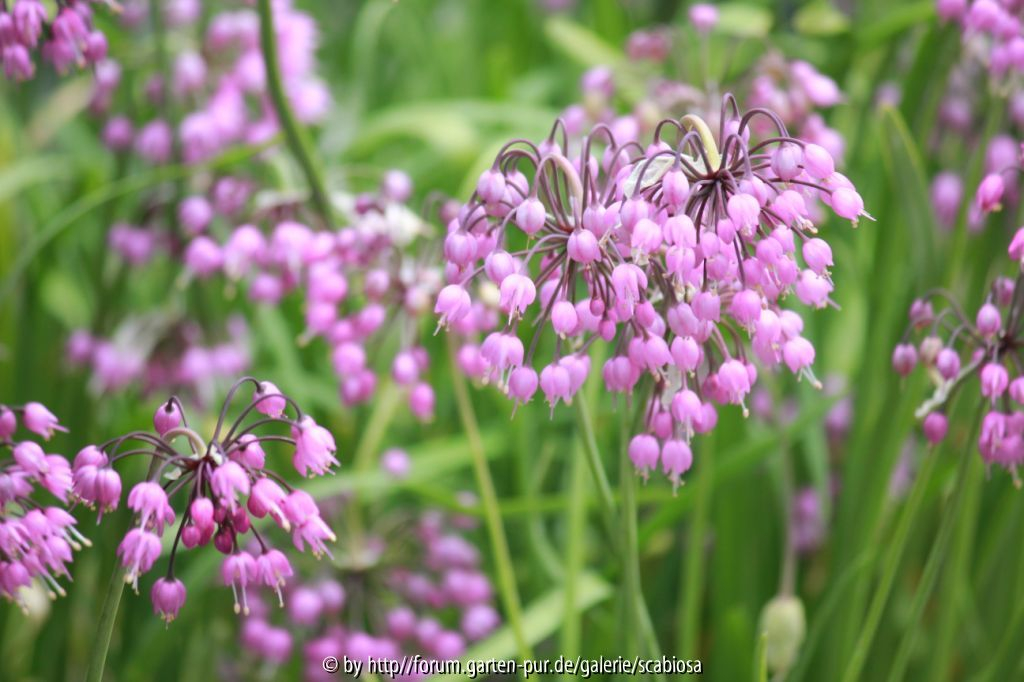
[138, 551]
[228, 481]
[238, 571]
[314, 448]
[168, 596]
[268, 400]
[39, 420]
[990, 193]
[703, 16]
[149, 500]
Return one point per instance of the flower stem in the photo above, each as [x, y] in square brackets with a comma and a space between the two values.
[625, 541]
[692, 583]
[108, 614]
[489, 499]
[637, 605]
[377, 425]
[105, 626]
[295, 135]
[593, 455]
[576, 518]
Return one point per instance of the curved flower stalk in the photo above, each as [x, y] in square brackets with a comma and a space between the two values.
[357, 284]
[415, 588]
[955, 347]
[671, 253]
[36, 540]
[161, 356]
[67, 39]
[223, 484]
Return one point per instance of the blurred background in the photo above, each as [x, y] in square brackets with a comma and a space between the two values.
[435, 88]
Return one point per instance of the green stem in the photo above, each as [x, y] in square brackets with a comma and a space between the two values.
[625, 542]
[386, 404]
[593, 455]
[692, 588]
[892, 563]
[105, 627]
[575, 528]
[362, 461]
[108, 614]
[632, 593]
[489, 500]
[787, 579]
[631, 557]
[295, 135]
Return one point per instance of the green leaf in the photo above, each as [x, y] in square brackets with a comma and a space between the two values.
[904, 165]
[31, 171]
[65, 299]
[580, 44]
[139, 182]
[744, 21]
[453, 128]
[820, 19]
[901, 18]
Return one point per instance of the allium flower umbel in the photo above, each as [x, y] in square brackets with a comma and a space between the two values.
[223, 486]
[956, 346]
[36, 541]
[992, 34]
[673, 254]
[66, 38]
[410, 587]
[358, 284]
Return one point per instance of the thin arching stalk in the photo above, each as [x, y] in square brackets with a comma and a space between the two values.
[492, 514]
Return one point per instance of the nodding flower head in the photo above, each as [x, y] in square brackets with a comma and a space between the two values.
[40, 420]
[226, 486]
[168, 596]
[955, 348]
[36, 541]
[674, 253]
[65, 40]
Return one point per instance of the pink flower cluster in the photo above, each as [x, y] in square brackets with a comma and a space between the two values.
[220, 83]
[227, 483]
[795, 91]
[419, 592]
[991, 32]
[670, 253]
[955, 347]
[66, 40]
[36, 541]
[161, 355]
[357, 283]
